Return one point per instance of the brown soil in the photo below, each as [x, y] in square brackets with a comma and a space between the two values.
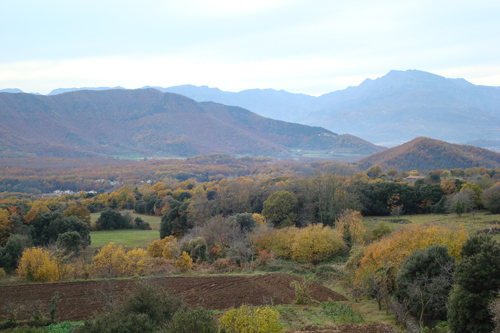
[349, 328]
[80, 300]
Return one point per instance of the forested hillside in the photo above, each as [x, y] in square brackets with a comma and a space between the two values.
[146, 122]
[429, 154]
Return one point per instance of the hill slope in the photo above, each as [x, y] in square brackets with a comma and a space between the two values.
[429, 154]
[389, 110]
[146, 122]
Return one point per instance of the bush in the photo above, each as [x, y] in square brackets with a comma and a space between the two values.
[114, 261]
[425, 281]
[495, 313]
[477, 280]
[70, 241]
[328, 273]
[139, 224]
[13, 250]
[192, 321]
[2, 273]
[196, 248]
[381, 229]
[147, 308]
[37, 265]
[184, 263]
[256, 320]
[111, 220]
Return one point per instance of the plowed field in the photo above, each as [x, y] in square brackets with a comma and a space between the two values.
[79, 300]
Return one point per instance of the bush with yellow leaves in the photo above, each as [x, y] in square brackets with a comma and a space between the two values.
[184, 263]
[40, 265]
[248, 320]
[114, 261]
[166, 247]
[312, 244]
[391, 251]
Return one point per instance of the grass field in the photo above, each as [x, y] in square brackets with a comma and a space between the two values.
[129, 237]
[471, 223]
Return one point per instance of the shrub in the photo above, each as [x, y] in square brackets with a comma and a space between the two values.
[477, 279]
[196, 248]
[391, 251]
[312, 244]
[350, 227]
[70, 241]
[256, 320]
[192, 321]
[146, 308]
[224, 265]
[13, 250]
[2, 273]
[495, 313]
[381, 229]
[139, 224]
[315, 244]
[184, 263]
[171, 250]
[157, 248]
[113, 261]
[425, 281]
[111, 220]
[36, 264]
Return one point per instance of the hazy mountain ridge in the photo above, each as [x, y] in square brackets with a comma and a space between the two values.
[148, 122]
[429, 154]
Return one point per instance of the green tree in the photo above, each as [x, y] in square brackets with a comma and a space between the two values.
[70, 241]
[425, 281]
[278, 208]
[13, 250]
[374, 171]
[111, 219]
[477, 280]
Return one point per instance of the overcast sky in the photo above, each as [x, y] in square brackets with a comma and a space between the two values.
[311, 47]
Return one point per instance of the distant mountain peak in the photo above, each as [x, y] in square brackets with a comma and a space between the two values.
[12, 90]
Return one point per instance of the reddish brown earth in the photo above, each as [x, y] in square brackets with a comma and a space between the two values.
[80, 300]
[349, 328]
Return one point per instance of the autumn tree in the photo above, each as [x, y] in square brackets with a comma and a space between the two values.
[350, 226]
[6, 226]
[37, 264]
[114, 261]
[81, 212]
[374, 171]
[279, 207]
[395, 205]
[392, 250]
[491, 199]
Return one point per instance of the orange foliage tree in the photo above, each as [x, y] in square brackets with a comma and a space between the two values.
[391, 251]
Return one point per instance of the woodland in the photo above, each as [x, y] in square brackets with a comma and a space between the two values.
[398, 249]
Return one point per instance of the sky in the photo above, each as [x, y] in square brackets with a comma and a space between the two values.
[311, 47]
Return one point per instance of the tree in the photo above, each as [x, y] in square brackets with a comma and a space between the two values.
[82, 213]
[425, 281]
[315, 243]
[13, 250]
[460, 203]
[184, 262]
[245, 221]
[48, 226]
[350, 226]
[278, 208]
[175, 221]
[70, 241]
[394, 206]
[36, 264]
[491, 199]
[477, 279]
[374, 171]
[111, 220]
[6, 226]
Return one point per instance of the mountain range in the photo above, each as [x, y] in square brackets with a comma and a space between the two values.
[388, 111]
[147, 122]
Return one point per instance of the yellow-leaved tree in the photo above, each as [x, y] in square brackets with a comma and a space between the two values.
[184, 263]
[36, 264]
[166, 247]
[313, 244]
[113, 261]
[5, 226]
[316, 243]
[350, 226]
[391, 251]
